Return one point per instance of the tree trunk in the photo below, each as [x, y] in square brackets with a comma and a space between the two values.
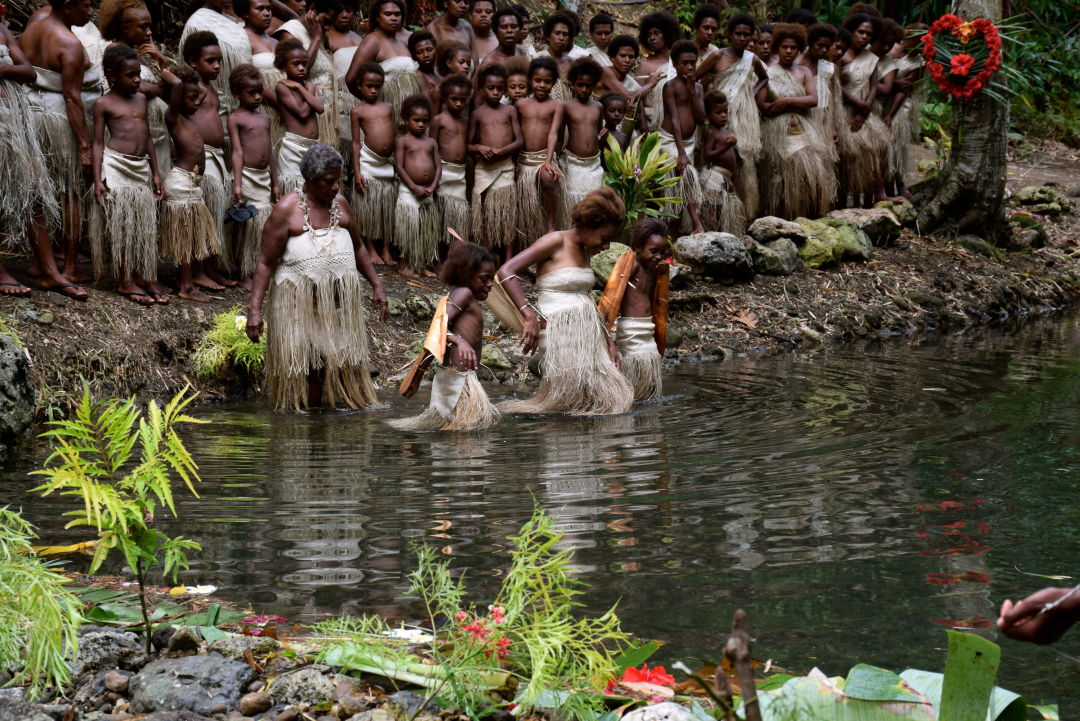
[968, 196]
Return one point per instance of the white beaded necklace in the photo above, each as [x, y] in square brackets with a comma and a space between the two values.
[335, 218]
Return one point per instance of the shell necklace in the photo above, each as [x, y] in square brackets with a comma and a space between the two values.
[330, 230]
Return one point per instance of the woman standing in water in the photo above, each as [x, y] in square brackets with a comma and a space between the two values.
[579, 368]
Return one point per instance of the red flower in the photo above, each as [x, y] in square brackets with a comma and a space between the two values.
[656, 675]
[961, 64]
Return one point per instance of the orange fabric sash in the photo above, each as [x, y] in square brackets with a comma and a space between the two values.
[611, 301]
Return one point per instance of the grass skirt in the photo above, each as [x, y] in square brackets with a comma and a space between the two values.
[290, 154]
[374, 208]
[495, 204]
[255, 184]
[722, 209]
[418, 228]
[864, 154]
[578, 375]
[458, 403]
[124, 225]
[690, 187]
[641, 362]
[187, 230]
[400, 82]
[24, 179]
[532, 215]
[744, 119]
[454, 199]
[581, 176]
[217, 189]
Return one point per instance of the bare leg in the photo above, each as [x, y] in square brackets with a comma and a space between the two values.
[695, 219]
[315, 382]
[547, 194]
[188, 289]
[218, 275]
[72, 228]
[53, 279]
[10, 286]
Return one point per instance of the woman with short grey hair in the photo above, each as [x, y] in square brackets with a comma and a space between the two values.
[310, 263]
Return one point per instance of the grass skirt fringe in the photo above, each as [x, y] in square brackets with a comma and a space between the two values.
[374, 208]
[453, 199]
[532, 215]
[255, 184]
[24, 178]
[318, 327]
[61, 158]
[864, 154]
[290, 154]
[418, 228]
[470, 411]
[744, 119]
[641, 362]
[124, 226]
[217, 190]
[495, 205]
[187, 230]
[722, 209]
[578, 375]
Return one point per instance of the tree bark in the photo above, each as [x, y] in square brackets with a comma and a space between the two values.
[968, 196]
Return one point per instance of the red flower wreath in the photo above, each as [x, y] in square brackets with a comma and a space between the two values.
[958, 62]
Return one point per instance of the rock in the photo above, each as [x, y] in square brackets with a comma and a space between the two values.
[409, 702]
[879, 224]
[817, 252]
[830, 241]
[1043, 199]
[185, 640]
[160, 637]
[780, 257]
[395, 307]
[22, 711]
[179, 715]
[770, 228]
[928, 301]
[350, 696]
[493, 357]
[307, 687]
[45, 318]
[717, 255]
[253, 703]
[978, 246]
[674, 337]
[203, 684]
[604, 261]
[117, 681]
[376, 714]
[854, 244]
[289, 714]
[108, 649]
[420, 307]
[904, 211]
[677, 276]
[234, 647]
[16, 394]
[666, 711]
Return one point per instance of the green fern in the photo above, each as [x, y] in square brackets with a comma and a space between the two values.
[38, 616]
[226, 346]
[121, 464]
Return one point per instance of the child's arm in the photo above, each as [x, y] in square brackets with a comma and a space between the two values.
[151, 153]
[460, 300]
[671, 110]
[275, 191]
[437, 159]
[514, 145]
[312, 97]
[19, 70]
[100, 191]
[885, 84]
[553, 139]
[706, 67]
[174, 95]
[368, 50]
[237, 159]
[291, 102]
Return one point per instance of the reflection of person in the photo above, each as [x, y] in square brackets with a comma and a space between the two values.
[1043, 617]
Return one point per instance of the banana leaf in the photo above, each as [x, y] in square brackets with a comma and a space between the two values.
[815, 697]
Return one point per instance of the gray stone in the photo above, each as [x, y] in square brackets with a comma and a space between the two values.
[420, 307]
[108, 649]
[178, 715]
[234, 647]
[307, 687]
[904, 211]
[375, 714]
[492, 356]
[717, 255]
[253, 703]
[1043, 195]
[16, 394]
[678, 278]
[978, 246]
[769, 228]
[409, 702]
[780, 257]
[879, 224]
[603, 262]
[185, 640]
[117, 681]
[350, 695]
[830, 241]
[203, 684]
[674, 337]
[22, 711]
[395, 307]
[666, 711]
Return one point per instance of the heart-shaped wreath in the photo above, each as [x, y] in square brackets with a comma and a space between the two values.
[961, 56]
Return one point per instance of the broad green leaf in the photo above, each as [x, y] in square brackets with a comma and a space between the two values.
[636, 655]
[817, 698]
[113, 613]
[1004, 705]
[871, 683]
[770, 683]
[211, 633]
[970, 670]
[1047, 711]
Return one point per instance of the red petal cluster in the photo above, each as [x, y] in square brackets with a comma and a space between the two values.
[954, 74]
[657, 675]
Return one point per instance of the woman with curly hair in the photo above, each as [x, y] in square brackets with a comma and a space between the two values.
[657, 33]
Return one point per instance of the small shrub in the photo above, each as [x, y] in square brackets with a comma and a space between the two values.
[226, 347]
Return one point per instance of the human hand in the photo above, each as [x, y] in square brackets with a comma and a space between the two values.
[857, 123]
[888, 121]
[150, 50]
[275, 194]
[86, 161]
[379, 304]
[613, 353]
[159, 189]
[728, 185]
[234, 199]
[530, 334]
[360, 183]
[310, 21]
[551, 169]
[254, 326]
[681, 163]
[465, 356]
[1024, 621]
[101, 193]
[291, 84]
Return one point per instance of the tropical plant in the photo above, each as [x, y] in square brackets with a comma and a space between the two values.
[122, 464]
[641, 177]
[38, 615]
[226, 346]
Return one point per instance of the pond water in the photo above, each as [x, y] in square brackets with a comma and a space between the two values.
[855, 502]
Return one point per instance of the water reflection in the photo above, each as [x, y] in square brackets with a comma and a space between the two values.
[853, 501]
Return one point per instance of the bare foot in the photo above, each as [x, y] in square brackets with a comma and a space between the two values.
[429, 274]
[407, 272]
[203, 281]
[194, 294]
[219, 278]
[10, 286]
[246, 283]
[157, 291]
[388, 259]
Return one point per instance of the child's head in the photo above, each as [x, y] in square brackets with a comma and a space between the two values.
[684, 55]
[291, 58]
[416, 112]
[892, 32]
[840, 46]
[471, 266]
[788, 40]
[864, 30]
[456, 9]
[583, 76]
[740, 29]
[560, 29]
[506, 24]
[493, 83]
[370, 80]
[387, 15]
[256, 14]
[422, 49]
[598, 218]
[716, 108]
[800, 16]
[122, 68]
[245, 82]
[517, 78]
[454, 91]
[202, 52]
[543, 74]
[819, 38]
[453, 56]
[764, 42]
[480, 14]
[623, 51]
[707, 23]
[614, 106]
[191, 90]
[601, 28]
[649, 241]
[125, 21]
[658, 31]
[326, 11]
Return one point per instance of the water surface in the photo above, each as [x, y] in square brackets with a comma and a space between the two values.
[854, 502]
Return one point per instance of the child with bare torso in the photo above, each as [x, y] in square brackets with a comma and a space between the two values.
[374, 177]
[722, 209]
[300, 106]
[517, 79]
[583, 117]
[422, 49]
[494, 137]
[127, 184]
[642, 309]
[417, 216]
[450, 130]
[684, 111]
[614, 106]
[543, 204]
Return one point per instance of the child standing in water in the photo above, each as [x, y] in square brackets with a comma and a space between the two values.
[541, 194]
[634, 306]
[374, 177]
[450, 130]
[300, 106]
[721, 207]
[253, 165]
[127, 184]
[458, 401]
[419, 223]
[684, 111]
[494, 138]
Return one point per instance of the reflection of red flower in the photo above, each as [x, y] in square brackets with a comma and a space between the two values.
[973, 622]
[656, 675]
[961, 64]
[948, 579]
